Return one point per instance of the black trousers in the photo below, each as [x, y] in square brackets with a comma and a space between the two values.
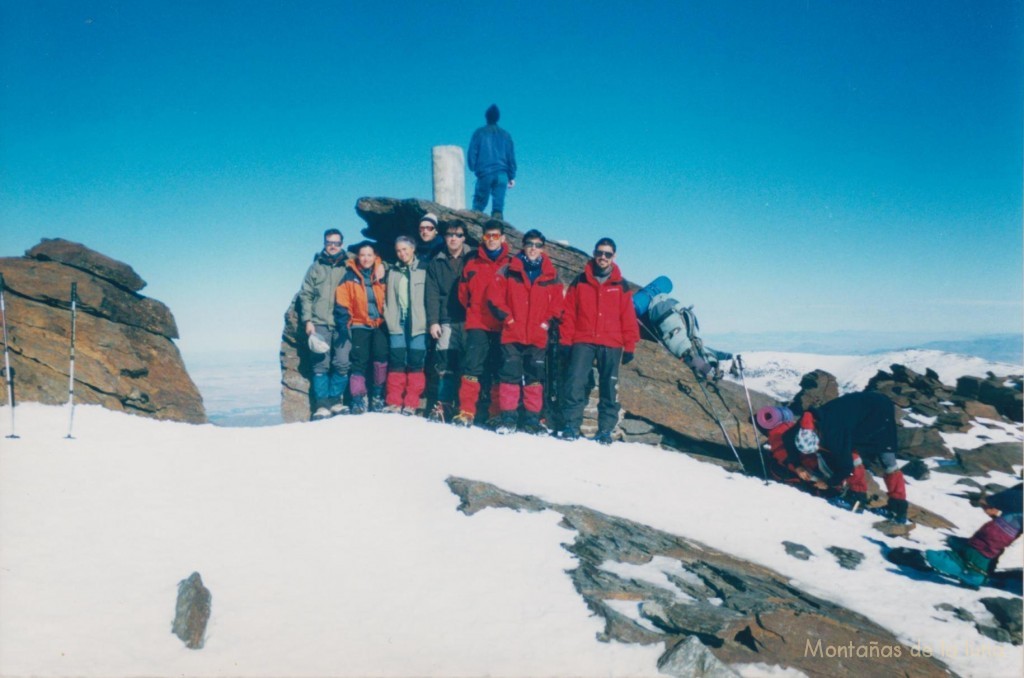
[483, 355]
[368, 345]
[522, 364]
[581, 360]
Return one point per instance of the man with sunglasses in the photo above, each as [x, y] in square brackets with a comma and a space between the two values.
[446, 317]
[599, 324]
[428, 245]
[483, 331]
[316, 315]
[526, 296]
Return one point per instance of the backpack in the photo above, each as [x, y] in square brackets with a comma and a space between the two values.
[679, 331]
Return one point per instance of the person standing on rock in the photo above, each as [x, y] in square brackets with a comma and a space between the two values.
[446, 317]
[864, 422]
[492, 157]
[405, 315]
[359, 306]
[329, 347]
[483, 331]
[599, 325]
[526, 297]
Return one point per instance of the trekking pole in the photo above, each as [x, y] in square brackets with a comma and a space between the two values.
[8, 377]
[753, 420]
[707, 398]
[71, 369]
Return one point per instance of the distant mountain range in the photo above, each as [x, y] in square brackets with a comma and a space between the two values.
[1004, 348]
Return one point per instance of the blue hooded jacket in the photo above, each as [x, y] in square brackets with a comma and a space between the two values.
[491, 150]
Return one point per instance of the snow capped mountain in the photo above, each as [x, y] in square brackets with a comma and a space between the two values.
[778, 374]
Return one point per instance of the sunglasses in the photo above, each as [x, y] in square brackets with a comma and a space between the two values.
[427, 228]
[332, 243]
[603, 254]
[455, 235]
[492, 236]
[536, 244]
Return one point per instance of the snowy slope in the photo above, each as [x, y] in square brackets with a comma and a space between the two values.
[778, 374]
[335, 549]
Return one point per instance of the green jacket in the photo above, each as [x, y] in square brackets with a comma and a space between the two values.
[409, 283]
[316, 298]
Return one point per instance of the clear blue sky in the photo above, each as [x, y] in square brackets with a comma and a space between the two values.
[801, 166]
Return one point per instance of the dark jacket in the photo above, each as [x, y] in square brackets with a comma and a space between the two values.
[442, 293]
[426, 251]
[864, 421]
[491, 150]
[476, 278]
[599, 313]
[525, 308]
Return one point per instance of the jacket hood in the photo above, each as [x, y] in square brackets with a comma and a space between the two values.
[481, 252]
[322, 257]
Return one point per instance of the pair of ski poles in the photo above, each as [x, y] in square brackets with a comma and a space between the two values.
[9, 375]
[714, 411]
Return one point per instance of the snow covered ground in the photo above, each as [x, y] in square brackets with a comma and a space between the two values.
[778, 374]
[335, 549]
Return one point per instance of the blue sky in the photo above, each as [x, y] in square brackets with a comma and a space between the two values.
[793, 166]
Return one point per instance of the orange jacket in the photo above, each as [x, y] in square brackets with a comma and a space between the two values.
[350, 299]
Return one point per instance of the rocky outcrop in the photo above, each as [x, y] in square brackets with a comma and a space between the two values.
[125, 358]
[740, 613]
[816, 388]
[662, 401]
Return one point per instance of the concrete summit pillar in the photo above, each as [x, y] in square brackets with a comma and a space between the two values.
[449, 177]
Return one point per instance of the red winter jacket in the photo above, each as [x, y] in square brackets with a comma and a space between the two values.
[599, 314]
[524, 308]
[476, 277]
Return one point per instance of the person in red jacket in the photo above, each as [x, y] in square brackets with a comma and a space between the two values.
[483, 331]
[525, 296]
[600, 325]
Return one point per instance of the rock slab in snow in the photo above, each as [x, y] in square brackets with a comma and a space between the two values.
[192, 611]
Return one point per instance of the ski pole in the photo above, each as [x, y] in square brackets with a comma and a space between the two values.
[753, 419]
[7, 360]
[71, 369]
[707, 398]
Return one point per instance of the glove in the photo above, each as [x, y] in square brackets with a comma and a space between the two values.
[627, 358]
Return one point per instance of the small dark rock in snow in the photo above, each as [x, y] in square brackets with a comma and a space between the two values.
[916, 469]
[192, 611]
[797, 550]
[958, 612]
[1008, 612]
[847, 558]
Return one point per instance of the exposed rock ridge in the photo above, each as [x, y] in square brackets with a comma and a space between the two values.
[742, 612]
[125, 357]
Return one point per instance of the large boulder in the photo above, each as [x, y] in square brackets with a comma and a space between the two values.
[125, 357]
[660, 396]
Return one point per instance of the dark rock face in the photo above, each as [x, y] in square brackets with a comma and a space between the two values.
[1008, 614]
[125, 358]
[192, 611]
[991, 457]
[847, 558]
[740, 612]
[816, 388]
[660, 397]
[993, 391]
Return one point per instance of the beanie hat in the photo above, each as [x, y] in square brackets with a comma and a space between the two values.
[429, 216]
[807, 441]
[492, 114]
[317, 344]
[769, 417]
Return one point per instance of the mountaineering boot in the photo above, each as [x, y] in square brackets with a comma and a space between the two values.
[321, 411]
[339, 407]
[358, 405]
[506, 423]
[408, 411]
[569, 434]
[497, 215]
[533, 425]
[603, 437]
[895, 511]
[377, 398]
[392, 409]
[441, 412]
[463, 419]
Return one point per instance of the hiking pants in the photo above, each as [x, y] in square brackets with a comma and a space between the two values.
[492, 186]
[581, 360]
[368, 345]
[522, 369]
[330, 370]
[447, 356]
